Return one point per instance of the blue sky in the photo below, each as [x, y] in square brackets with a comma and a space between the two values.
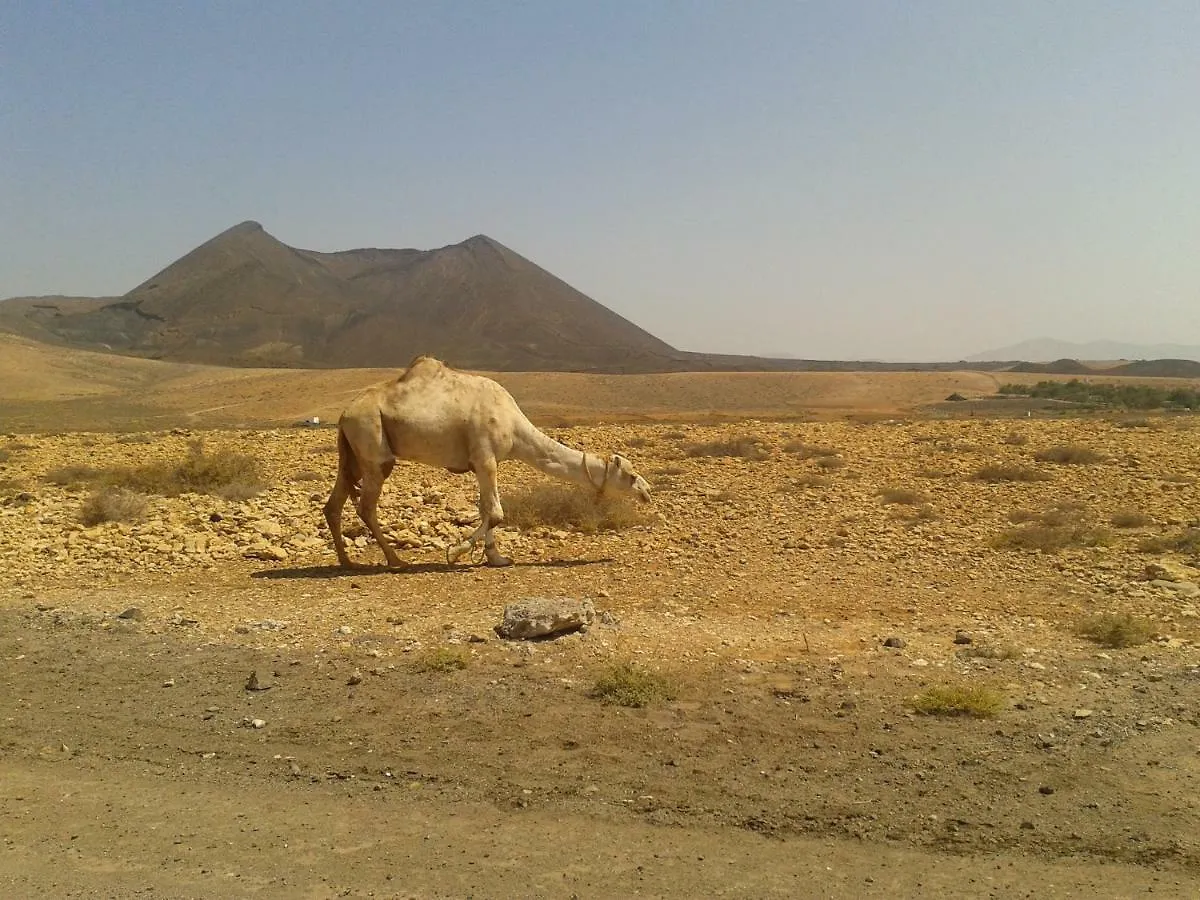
[846, 179]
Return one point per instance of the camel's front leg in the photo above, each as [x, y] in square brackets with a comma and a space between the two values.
[491, 514]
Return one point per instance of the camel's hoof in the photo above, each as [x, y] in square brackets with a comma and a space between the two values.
[499, 562]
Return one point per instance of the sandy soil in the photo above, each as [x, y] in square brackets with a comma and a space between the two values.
[790, 762]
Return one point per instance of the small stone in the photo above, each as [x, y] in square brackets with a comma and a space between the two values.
[170, 682]
[1045, 790]
[1083, 714]
[920, 663]
[258, 723]
[476, 639]
[897, 642]
[133, 613]
[344, 629]
[961, 637]
[355, 678]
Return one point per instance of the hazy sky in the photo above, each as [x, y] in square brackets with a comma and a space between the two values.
[829, 179]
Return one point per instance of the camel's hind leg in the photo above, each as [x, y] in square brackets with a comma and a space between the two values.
[491, 514]
[368, 509]
[333, 518]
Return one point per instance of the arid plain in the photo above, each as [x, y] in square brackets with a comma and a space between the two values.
[829, 557]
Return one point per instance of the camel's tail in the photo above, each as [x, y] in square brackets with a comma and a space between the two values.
[347, 470]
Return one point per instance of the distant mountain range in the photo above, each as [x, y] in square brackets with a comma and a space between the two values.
[1048, 350]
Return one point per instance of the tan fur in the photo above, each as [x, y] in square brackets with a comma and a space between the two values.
[438, 416]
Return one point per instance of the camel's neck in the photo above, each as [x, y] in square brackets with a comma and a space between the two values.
[557, 460]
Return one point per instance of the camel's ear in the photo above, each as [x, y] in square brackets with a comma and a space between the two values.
[621, 462]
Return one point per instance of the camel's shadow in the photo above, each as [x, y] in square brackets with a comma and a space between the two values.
[367, 571]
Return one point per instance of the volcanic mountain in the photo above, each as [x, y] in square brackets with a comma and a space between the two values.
[245, 298]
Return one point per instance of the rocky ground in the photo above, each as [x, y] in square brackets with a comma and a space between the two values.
[764, 587]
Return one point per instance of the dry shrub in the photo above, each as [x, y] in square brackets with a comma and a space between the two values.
[830, 463]
[1116, 631]
[1002, 472]
[637, 443]
[113, 504]
[904, 496]
[69, 476]
[1186, 541]
[307, 475]
[135, 439]
[932, 474]
[1130, 518]
[225, 473]
[562, 506]
[808, 451]
[441, 659]
[959, 700]
[1069, 454]
[5, 454]
[1052, 538]
[1016, 439]
[626, 684]
[669, 471]
[743, 447]
[674, 436]
[986, 651]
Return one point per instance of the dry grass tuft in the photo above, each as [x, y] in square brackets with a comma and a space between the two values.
[1057, 529]
[1116, 631]
[307, 475]
[916, 515]
[1069, 454]
[562, 506]
[113, 504]
[1016, 439]
[1186, 541]
[441, 659]
[905, 496]
[1130, 518]
[139, 438]
[626, 684]
[997, 473]
[959, 700]
[984, 651]
[742, 447]
[225, 473]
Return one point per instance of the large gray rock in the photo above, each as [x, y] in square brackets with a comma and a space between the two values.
[535, 617]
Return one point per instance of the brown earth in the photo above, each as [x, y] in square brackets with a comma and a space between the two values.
[789, 763]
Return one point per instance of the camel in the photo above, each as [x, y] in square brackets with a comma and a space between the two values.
[438, 416]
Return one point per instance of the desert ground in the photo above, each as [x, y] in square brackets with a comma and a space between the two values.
[800, 599]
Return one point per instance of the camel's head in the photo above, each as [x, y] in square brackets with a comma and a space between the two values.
[621, 477]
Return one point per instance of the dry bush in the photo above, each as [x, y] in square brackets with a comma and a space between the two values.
[1130, 518]
[637, 443]
[830, 462]
[68, 476]
[5, 454]
[626, 684]
[225, 473]
[1069, 454]
[669, 471]
[904, 496]
[959, 700]
[674, 436]
[135, 439]
[1003, 472]
[441, 659]
[1186, 541]
[562, 506]
[307, 475]
[1016, 439]
[113, 504]
[1052, 538]
[808, 451]
[932, 474]
[743, 447]
[1116, 631]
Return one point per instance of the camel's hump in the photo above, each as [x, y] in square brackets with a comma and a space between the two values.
[423, 366]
